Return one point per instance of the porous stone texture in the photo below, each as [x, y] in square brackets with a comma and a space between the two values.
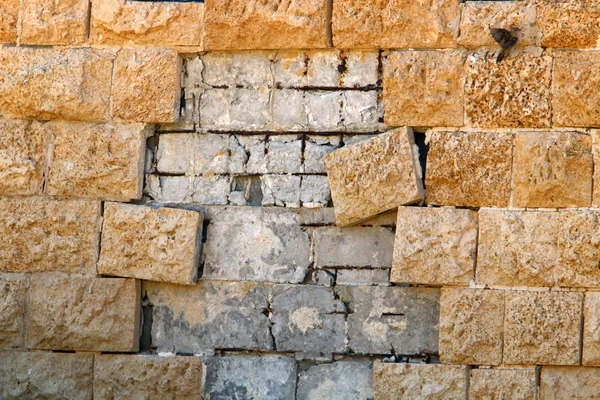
[395, 24]
[374, 176]
[272, 24]
[424, 88]
[163, 24]
[13, 292]
[434, 246]
[569, 23]
[38, 375]
[48, 83]
[86, 314]
[542, 328]
[569, 383]
[471, 324]
[591, 329]
[9, 15]
[146, 85]
[386, 320]
[419, 381]
[513, 93]
[141, 376]
[552, 170]
[340, 380]
[596, 161]
[498, 384]
[471, 169]
[50, 22]
[152, 244]
[49, 235]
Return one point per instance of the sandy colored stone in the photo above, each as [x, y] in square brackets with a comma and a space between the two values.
[471, 323]
[51, 22]
[500, 384]
[424, 88]
[50, 83]
[542, 328]
[270, 24]
[49, 235]
[374, 176]
[157, 244]
[84, 314]
[581, 383]
[513, 93]
[146, 85]
[596, 160]
[395, 24]
[434, 246]
[13, 292]
[591, 329]
[471, 169]
[146, 376]
[163, 24]
[569, 23]
[419, 381]
[9, 15]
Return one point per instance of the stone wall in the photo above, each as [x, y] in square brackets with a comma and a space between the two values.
[317, 199]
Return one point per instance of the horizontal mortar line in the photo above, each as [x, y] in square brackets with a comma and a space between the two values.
[368, 88]
[274, 133]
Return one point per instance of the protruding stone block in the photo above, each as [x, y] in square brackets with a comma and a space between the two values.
[591, 329]
[13, 294]
[340, 380]
[49, 22]
[569, 23]
[9, 16]
[579, 383]
[497, 384]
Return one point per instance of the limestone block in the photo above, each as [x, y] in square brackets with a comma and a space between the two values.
[315, 149]
[314, 191]
[471, 324]
[281, 190]
[323, 68]
[542, 328]
[419, 381]
[47, 83]
[374, 176]
[552, 170]
[13, 292]
[513, 93]
[362, 69]
[591, 329]
[395, 24]
[290, 110]
[45, 375]
[361, 111]
[596, 160]
[324, 111]
[471, 169]
[243, 69]
[9, 15]
[340, 380]
[49, 235]
[362, 277]
[141, 376]
[239, 25]
[146, 85]
[284, 154]
[86, 314]
[498, 384]
[569, 23]
[49, 22]
[152, 244]
[163, 24]
[424, 88]
[569, 383]
[189, 189]
[234, 109]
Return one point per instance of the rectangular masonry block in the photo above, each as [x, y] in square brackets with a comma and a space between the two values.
[49, 235]
[338, 380]
[374, 176]
[569, 23]
[9, 16]
[156, 244]
[13, 295]
[49, 22]
[186, 189]
[281, 190]
[314, 191]
[581, 383]
[591, 327]
[362, 277]
[496, 384]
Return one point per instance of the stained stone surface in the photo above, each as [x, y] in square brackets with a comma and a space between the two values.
[596, 160]
[591, 329]
[49, 22]
[569, 23]
[13, 292]
[340, 380]
[569, 383]
[498, 384]
[9, 15]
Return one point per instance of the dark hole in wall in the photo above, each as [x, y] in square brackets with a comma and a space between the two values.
[423, 151]
[146, 335]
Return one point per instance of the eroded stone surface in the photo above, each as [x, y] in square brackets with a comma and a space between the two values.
[569, 383]
[569, 23]
[189, 189]
[591, 329]
[498, 384]
[13, 292]
[49, 22]
[340, 380]
[9, 15]
[596, 160]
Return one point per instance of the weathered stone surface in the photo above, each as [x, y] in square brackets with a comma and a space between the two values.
[13, 292]
[139, 377]
[103, 161]
[383, 320]
[596, 160]
[45, 375]
[284, 154]
[569, 383]
[419, 381]
[434, 246]
[591, 329]
[232, 109]
[362, 277]
[542, 327]
[281, 190]
[239, 25]
[9, 15]
[152, 244]
[314, 191]
[49, 22]
[374, 176]
[424, 88]
[469, 168]
[471, 324]
[569, 23]
[146, 85]
[187, 189]
[552, 170]
[45, 83]
[340, 380]
[49, 235]
[513, 93]
[498, 384]
[315, 149]
[395, 24]
[163, 24]
[250, 378]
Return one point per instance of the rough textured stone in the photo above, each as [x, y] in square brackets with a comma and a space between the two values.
[579, 383]
[471, 323]
[146, 85]
[374, 176]
[38, 375]
[315, 149]
[552, 170]
[434, 246]
[284, 154]
[87, 314]
[13, 292]
[596, 161]
[49, 235]
[513, 93]
[569, 23]
[386, 320]
[424, 88]
[499, 384]
[188, 189]
[542, 328]
[340, 380]
[362, 277]
[49, 22]
[151, 244]
[281, 190]
[470, 169]
[419, 381]
[314, 191]
[395, 24]
[9, 15]
[139, 377]
[45, 83]
[591, 329]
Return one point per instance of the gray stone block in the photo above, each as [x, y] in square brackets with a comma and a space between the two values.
[315, 148]
[362, 277]
[314, 191]
[342, 380]
[212, 190]
[281, 190]
[284, 154]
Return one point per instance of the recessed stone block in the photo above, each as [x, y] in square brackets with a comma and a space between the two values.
[49, 22]
[496, 384]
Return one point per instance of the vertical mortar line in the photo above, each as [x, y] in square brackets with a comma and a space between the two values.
[112, 84]
[512, 167]
[477, 239]
[593, 134]
[581, 328]
[550, 94]
[504, 292]
[329, 23]
[26, 314]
